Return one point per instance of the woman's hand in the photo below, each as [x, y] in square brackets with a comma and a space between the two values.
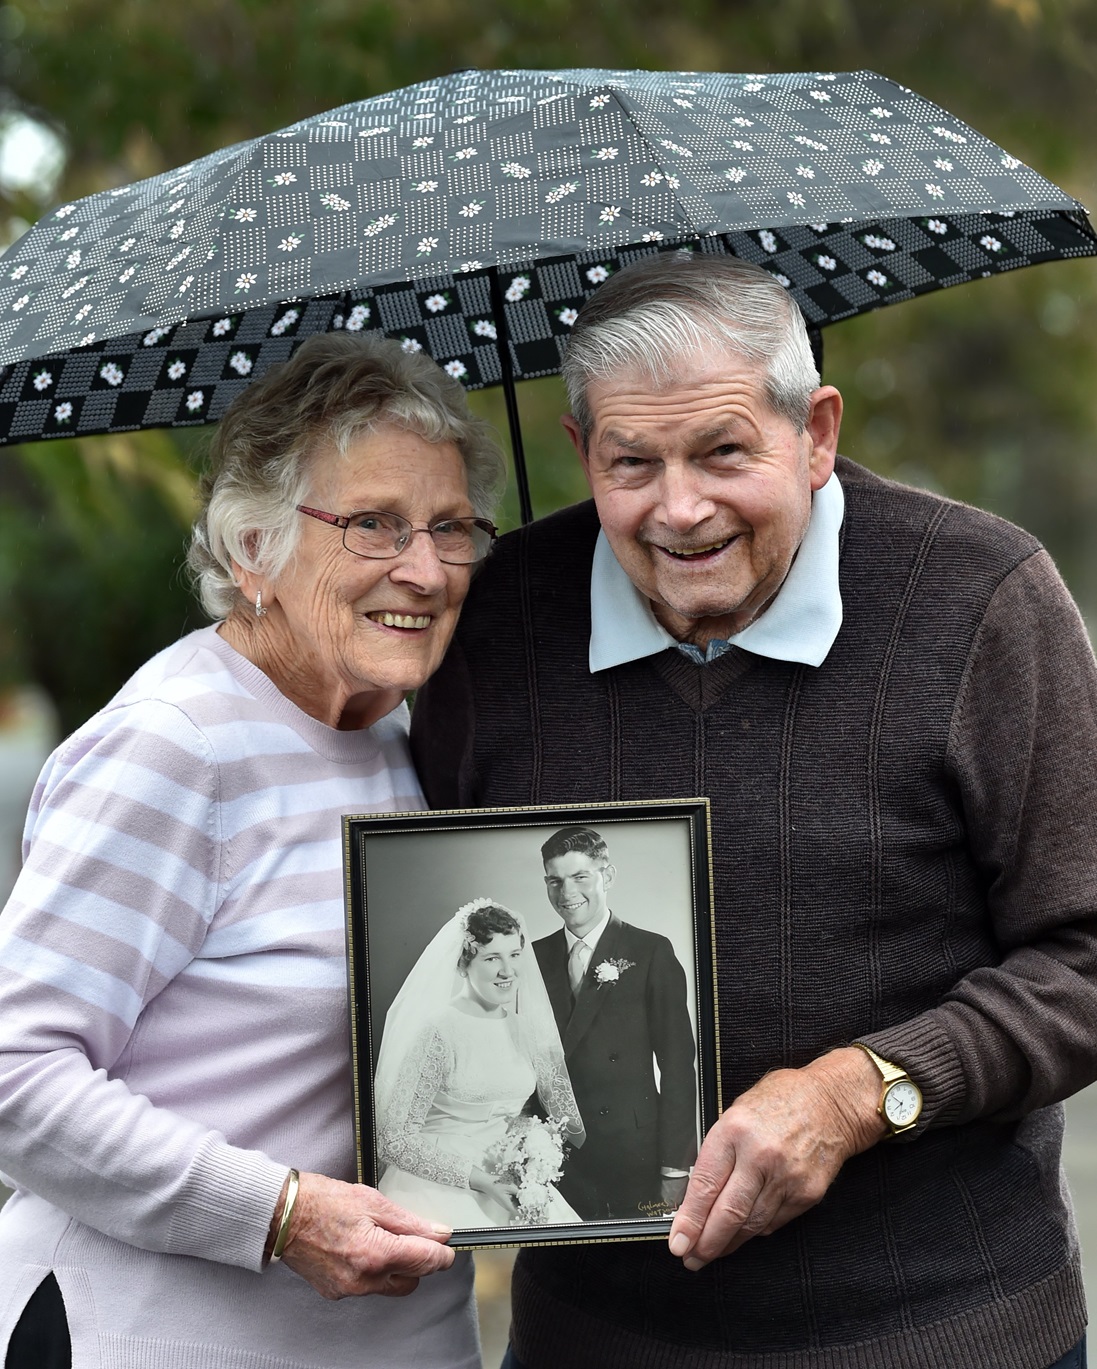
[480, 1181]
[347, 1239]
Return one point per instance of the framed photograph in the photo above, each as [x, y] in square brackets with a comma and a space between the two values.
[532, 1015]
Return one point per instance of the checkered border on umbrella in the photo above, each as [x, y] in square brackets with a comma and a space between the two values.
[188, 375]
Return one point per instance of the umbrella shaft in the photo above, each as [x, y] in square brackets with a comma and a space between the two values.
[521, 475]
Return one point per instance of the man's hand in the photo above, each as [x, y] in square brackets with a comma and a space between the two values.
[347, 1239]
[775, 1152]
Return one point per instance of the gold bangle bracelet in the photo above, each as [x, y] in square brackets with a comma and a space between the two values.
[287, 1212]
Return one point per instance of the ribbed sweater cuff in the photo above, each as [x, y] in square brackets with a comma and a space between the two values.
[224, 1209]
[925, 1051]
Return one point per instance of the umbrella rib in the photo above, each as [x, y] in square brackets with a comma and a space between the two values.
[657, 159]
[615, 95]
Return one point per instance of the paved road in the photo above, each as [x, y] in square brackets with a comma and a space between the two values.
[1080, 1155]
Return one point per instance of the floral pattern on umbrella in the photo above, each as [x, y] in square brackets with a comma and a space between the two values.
[153, 304]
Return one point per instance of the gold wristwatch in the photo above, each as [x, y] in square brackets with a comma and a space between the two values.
[900, 1102]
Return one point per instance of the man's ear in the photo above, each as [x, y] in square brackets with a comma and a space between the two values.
[571, 427]
[609, 874]
[823, 425]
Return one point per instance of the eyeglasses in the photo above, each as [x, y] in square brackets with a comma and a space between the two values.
[381, 536]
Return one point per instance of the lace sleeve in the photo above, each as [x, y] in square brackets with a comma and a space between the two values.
[556, 1094]
[400, 1139]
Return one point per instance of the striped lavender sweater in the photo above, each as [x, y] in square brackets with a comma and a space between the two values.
[173, 1000]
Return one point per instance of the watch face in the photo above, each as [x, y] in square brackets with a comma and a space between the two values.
[902, 1104]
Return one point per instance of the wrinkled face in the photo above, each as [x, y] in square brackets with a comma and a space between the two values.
[354, 628]
[578, 888]
[703, 490]
[493, 971]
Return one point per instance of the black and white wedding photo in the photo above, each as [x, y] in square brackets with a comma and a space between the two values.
[529, 992]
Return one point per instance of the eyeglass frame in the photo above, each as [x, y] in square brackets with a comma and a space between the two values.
[343, 521]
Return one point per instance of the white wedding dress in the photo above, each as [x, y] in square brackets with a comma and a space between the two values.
[458, 1087]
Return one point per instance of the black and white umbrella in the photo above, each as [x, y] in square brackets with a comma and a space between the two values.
[471, 216]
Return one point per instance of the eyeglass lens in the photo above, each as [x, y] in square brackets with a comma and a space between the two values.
[458, 541]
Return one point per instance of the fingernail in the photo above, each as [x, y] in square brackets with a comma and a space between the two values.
[693, 1264]
[679, 1244]
[439, 1230]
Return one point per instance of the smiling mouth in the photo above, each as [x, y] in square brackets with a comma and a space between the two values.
[695, 553]
[414, 621]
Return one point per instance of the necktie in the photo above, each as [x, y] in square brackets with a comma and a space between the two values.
[578, 959]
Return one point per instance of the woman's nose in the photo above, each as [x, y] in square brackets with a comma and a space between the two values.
[418, 563]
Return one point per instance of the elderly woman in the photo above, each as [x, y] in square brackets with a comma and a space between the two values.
[175, 1092]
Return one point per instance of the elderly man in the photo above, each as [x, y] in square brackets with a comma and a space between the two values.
[892, 704]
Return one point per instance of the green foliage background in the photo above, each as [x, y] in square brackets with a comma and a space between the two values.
[986, 391]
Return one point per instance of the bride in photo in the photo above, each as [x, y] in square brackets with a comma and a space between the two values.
[469, 1042]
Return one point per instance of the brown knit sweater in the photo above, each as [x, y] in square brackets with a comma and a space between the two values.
[904, 853]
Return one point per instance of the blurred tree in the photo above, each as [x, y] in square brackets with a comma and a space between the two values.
[91, 551]
[985, 392]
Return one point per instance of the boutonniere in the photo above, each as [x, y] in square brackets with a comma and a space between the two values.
[610, 971]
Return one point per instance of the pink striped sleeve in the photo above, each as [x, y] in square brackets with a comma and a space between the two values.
[120, 881]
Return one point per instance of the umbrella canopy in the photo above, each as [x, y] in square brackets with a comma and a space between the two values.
[472, 215]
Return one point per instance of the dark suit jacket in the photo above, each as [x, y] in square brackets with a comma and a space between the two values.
[612, 1036]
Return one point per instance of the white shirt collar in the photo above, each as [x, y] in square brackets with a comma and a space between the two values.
[800, 623]
[591, 937]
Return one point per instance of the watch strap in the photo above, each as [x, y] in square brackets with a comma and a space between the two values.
[891, 1074]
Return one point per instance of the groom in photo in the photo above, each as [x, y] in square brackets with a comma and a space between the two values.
[619, 995]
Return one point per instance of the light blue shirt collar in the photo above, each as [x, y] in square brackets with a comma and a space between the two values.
[799, 625]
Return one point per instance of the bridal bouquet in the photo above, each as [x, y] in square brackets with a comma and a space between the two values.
[531, 1156]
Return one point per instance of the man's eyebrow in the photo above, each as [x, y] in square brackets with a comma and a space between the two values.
[720, 430]
[618, 439]
[638, 444]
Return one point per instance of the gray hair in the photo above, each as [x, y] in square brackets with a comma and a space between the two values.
[661, 312]
[337, 387]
